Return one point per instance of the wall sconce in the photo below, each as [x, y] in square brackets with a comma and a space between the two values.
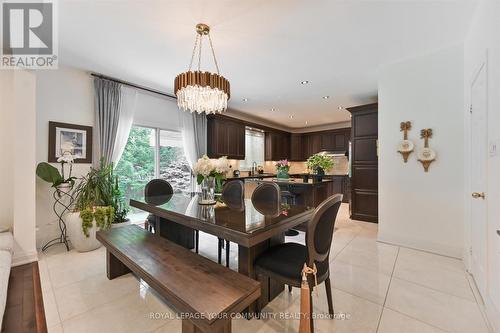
[426, 156]
[406, 146]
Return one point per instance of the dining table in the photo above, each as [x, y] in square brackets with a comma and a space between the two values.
[252, 226]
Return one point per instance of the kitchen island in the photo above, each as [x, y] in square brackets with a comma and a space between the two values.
[310, 193]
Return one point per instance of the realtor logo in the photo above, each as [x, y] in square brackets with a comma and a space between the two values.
[28, 35]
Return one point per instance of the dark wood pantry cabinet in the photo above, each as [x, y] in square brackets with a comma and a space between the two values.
[364, 163]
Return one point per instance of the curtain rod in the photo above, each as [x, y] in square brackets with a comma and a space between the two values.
[154, 91]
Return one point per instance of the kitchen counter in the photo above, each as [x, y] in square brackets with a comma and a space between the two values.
[256, 176]
[296, 181]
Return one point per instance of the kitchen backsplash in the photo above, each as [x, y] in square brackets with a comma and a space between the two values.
[295, 167]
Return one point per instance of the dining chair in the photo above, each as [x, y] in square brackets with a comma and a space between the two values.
[156, 192]
[284, 262]
[267, 194]
[233, 194]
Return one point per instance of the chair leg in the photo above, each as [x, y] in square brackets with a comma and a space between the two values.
[289, 288]
[227, 253]
[328, 287]
[196, 241]
[219, 252]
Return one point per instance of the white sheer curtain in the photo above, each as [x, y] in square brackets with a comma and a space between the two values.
[194, 138]
[127, 110]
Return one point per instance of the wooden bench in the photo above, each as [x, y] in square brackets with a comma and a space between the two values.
[204, 293]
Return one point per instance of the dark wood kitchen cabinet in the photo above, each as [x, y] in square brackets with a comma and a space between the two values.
[302, 146]
[225, 137]
[364, 163]
[277, 146]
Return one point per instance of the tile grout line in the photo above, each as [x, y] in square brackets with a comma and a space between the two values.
[387, 292]
[53, 293]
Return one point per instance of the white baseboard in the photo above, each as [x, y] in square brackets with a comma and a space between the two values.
[493, 314]
[422, 245]
[24, 258]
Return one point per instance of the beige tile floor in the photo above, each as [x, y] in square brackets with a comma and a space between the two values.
[378, 287]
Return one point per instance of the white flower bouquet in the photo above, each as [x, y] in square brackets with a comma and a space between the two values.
[211, 168]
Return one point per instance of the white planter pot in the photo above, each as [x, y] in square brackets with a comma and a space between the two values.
[122, 224]
[80, 242]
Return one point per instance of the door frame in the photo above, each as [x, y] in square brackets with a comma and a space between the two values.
[483, 64]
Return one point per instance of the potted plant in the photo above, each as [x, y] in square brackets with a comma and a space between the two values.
[52, 175]
[210, 173]
[120, 207]
[93, 209]
[319, 164]
[282, 168]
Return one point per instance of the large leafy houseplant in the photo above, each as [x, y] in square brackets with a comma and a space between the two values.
[94, 198]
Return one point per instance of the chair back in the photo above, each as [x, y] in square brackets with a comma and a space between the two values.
[320, 229]
[233, 192]
[266, 198]
[158, 191]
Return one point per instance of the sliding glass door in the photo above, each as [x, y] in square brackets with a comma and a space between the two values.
[152, 153]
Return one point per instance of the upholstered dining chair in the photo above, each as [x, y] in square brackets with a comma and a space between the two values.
[156, 192]
[233, 194]
[267, 194]
[284, 262]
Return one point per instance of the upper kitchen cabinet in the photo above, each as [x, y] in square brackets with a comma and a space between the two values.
[307, 144]
[277, 146]
[225, 137]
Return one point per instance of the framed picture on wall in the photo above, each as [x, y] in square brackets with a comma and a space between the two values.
[75, 139]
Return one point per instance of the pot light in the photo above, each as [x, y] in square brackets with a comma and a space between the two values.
[273, 109]
[291, 116]
[340, 107]
[307, 122]
[245, 99]
[304, 82]
[326, 97]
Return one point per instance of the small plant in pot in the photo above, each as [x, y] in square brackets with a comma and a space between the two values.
[93, 209]
[319, 164]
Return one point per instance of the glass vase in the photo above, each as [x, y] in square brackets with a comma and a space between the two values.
[282, 173]
[207, 191]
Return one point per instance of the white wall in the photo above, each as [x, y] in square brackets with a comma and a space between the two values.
[67, 95]
[17, 174]
[63, 95]
[417, 209]
[482, 42]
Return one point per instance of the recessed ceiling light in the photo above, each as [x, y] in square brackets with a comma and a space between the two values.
[341, 107]
[245, 99]
[291, 116]
[307, 122]
[326, 97]
[304, 82]
[273, 109]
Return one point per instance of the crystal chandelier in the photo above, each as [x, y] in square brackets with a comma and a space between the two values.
[202, 91]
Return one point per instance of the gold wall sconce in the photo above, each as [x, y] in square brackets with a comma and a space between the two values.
[406, 146]
[427, 155]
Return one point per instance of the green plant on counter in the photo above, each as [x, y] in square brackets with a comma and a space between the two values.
[318, 161]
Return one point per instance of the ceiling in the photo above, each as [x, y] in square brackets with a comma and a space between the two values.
[265, 48]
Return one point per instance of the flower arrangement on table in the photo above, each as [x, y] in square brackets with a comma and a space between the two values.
[319, 164]
[282, 167]
[210, 173]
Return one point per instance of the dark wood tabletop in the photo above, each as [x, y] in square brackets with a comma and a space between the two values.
[244, 225]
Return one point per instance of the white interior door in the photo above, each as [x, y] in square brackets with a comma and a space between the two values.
[479, 178]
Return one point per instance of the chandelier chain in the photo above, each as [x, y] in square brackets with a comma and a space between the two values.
[194, 51]
[199, 54]
[213, 53]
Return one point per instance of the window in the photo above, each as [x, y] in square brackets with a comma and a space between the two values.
[152, 153]
[254, 148]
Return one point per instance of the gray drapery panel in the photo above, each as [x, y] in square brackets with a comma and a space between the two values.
[107, 116]
[194, 137]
